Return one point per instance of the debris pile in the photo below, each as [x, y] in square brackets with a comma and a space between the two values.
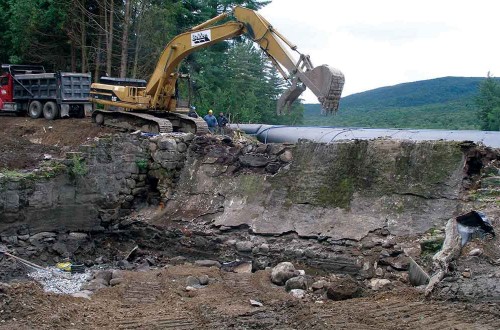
[56, 281]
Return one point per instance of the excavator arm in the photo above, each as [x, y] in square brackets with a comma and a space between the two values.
[325, 82]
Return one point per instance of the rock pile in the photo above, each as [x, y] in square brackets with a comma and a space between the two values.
[104, 278]
[299, 284]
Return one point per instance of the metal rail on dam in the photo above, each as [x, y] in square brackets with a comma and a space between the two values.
[291, 134]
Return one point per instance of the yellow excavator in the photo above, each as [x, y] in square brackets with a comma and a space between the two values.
[155, 107]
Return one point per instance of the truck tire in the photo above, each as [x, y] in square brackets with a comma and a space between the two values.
[81, 111]
[99, 119]
[35, 109]
[50, 110]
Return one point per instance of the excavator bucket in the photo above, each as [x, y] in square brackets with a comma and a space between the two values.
[325, 82]
[289, 96]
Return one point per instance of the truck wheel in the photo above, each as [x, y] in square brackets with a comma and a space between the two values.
[50, 110]
[35, 109]
[99, 119]
[81, 111]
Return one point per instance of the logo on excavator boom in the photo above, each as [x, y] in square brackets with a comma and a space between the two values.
[200, 37]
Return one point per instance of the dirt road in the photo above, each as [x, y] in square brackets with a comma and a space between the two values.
[157, 299]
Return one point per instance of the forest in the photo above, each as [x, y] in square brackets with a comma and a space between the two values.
[125, 38]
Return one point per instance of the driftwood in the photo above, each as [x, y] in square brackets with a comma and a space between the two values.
[450, 251]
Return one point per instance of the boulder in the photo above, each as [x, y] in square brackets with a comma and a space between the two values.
[101, 281]
[264, 248]
[379, 283]
[4, 287]
[475, 252]
[273, 167]
[298, 282]
[10, 239]
[203, 279]
[81, 294]
[93, 285]
[286, 156]
[245, 267]
[192, 281]
[282, 272]
[179, 260]
[116, 273]
[61, 249]
[400, 262]
[181, 147]
[254, 160]
[207, 263]
[124, 264]
[116, 281]
[343, 288]
[106, 275]
[41, 238]
[298, 293]
[244, 246]
[259, 263]
[318, 285]
[166, 143]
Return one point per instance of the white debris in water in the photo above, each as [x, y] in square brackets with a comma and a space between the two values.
[57, 281]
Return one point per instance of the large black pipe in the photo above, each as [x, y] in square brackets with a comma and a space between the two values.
[291, 134]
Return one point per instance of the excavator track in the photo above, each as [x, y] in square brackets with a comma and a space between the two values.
[132, 121]
[184, 123]
[156, 122]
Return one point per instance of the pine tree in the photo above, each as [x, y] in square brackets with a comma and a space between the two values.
[488, 102]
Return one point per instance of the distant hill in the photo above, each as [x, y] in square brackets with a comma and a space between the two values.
[446, 103]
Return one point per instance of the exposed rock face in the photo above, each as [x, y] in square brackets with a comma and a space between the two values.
[92, 188]
[342, 190]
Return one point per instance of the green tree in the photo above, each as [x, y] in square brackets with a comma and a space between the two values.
[488, 102]
[36, 31]
[4, 41]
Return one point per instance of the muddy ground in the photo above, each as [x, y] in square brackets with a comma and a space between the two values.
[157, 298]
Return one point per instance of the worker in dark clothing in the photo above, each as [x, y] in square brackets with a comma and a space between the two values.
[192, 112]
[222, 122]
[211, 121]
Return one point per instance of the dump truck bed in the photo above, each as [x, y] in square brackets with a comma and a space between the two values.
[65, 87]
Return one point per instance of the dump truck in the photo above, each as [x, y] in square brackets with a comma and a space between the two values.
[29, 89]
[155, 107]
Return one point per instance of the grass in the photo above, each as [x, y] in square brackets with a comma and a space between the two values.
[47, 170]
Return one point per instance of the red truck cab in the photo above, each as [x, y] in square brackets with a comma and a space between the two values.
[6, 88]
[7, 76]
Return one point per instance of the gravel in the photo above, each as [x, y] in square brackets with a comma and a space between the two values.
[57, 281]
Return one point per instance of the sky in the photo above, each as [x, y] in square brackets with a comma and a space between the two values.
[386, 42]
